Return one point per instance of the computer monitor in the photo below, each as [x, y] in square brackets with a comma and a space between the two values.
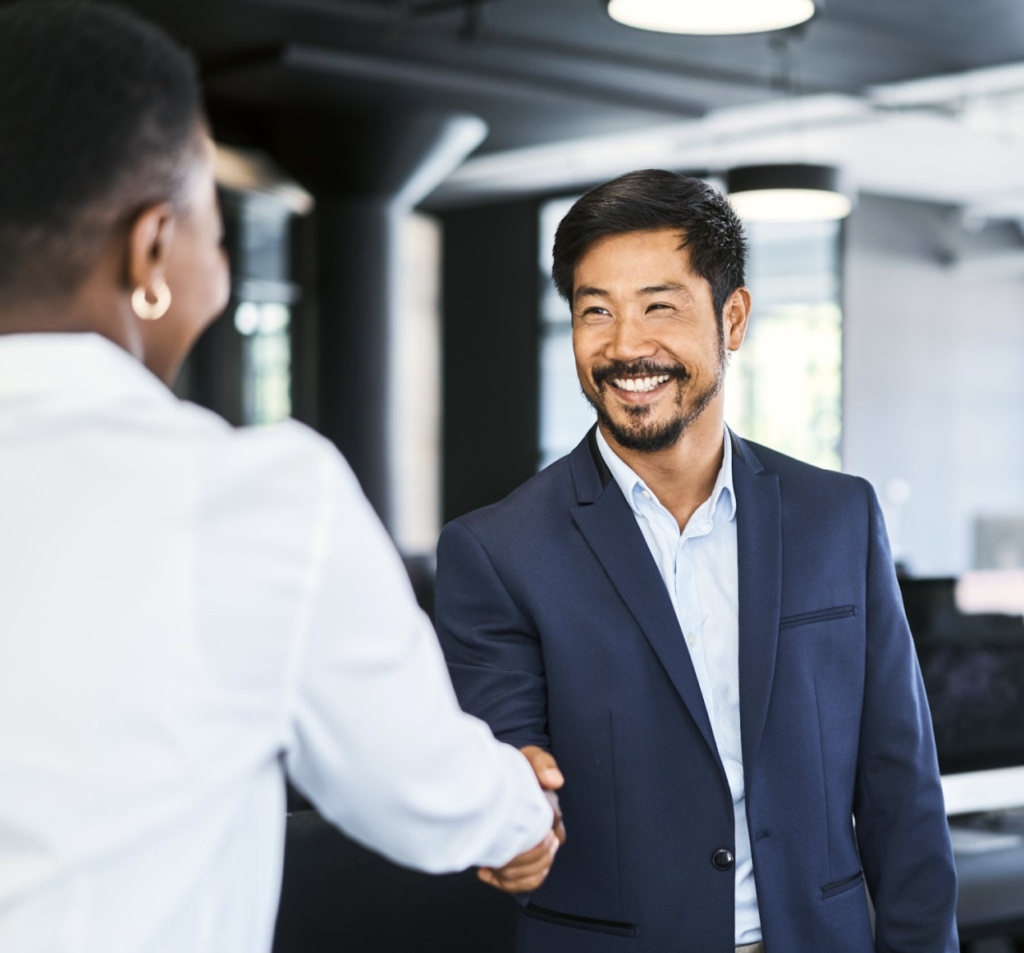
[973, 670]
[976, 693]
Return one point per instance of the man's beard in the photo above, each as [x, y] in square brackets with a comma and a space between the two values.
[639, 434]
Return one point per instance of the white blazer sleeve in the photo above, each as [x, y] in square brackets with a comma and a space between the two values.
[379, 743]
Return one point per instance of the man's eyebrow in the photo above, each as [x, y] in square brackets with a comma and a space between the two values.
[662, 288]
[588, 291]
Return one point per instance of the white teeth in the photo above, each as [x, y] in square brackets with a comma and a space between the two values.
[641, 385]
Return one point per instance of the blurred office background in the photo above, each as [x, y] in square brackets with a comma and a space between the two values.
[392, 172]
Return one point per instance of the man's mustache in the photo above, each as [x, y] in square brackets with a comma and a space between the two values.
[619, 370]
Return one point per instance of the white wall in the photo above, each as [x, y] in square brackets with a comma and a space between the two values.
[414, 386]
[934, 374]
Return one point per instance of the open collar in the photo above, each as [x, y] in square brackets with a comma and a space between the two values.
[630, 483]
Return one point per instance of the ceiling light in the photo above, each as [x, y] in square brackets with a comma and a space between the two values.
[787, 193]
[711, 18]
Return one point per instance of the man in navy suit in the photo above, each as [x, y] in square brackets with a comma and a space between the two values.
[704, 638]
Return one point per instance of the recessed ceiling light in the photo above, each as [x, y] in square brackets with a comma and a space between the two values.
[711, 17]
[787, 193]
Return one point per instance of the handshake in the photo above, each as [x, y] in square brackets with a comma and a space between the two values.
[528, 871]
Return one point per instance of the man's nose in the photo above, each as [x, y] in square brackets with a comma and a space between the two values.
[630, 341]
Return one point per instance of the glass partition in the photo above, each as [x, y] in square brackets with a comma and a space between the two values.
[785, 384]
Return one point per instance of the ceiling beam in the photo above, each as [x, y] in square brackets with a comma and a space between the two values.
[437, 78]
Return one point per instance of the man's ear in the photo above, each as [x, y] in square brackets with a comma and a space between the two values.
[149, 243]
[734, 318]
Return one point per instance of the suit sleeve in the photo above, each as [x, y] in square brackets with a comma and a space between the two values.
[902, 830]
[492, 647]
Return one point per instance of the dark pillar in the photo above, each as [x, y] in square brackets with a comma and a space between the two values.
[353, 239]
[491, 395]
[363, 171]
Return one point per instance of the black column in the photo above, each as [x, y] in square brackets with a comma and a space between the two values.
[353, 250]
[491, 362]
[362, 170]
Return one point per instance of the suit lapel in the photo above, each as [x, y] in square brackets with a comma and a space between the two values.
[759, 544]
[610, 528]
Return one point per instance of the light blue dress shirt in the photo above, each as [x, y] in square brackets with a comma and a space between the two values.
[700, 570]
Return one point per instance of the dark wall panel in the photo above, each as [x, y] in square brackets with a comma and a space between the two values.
[490, 391]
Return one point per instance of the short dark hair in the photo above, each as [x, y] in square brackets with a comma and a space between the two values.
[99, 113]
[652, 199]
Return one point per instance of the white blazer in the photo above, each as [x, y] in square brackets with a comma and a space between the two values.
[183, 607]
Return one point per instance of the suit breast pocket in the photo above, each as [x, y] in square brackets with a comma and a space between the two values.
[818, 615]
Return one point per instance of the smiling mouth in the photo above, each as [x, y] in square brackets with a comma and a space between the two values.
[640, 385]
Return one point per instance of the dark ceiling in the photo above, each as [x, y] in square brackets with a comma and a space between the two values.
[545, 70]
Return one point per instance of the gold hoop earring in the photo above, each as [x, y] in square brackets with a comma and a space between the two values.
[147, 310]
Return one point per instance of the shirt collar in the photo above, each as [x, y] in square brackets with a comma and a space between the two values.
[46, 366]
[629, 482]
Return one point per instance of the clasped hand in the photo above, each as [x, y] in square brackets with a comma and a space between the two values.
[528, 871]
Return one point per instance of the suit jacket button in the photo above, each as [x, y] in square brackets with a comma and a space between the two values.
[722, 859]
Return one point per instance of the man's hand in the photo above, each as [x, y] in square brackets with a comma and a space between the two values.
[525, 872]
[550, 780]
[529, 870]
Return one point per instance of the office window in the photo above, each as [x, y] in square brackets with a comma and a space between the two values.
[783, 388]
[565, 415]
[242, 366]
[266, 357]
[261, 262]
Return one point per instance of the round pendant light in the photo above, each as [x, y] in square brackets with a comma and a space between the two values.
[711, 17]
[787, 193]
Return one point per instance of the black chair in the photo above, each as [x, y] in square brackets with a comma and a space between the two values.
[336, 895]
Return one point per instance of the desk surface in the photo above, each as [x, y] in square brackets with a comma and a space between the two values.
[973, 791]
[989, 854]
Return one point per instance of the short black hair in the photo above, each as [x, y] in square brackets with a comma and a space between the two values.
[99, 114]
[653, 199]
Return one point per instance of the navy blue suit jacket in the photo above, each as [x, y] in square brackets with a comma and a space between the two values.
[559, 632]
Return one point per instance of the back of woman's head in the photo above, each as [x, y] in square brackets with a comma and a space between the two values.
[98, 115]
